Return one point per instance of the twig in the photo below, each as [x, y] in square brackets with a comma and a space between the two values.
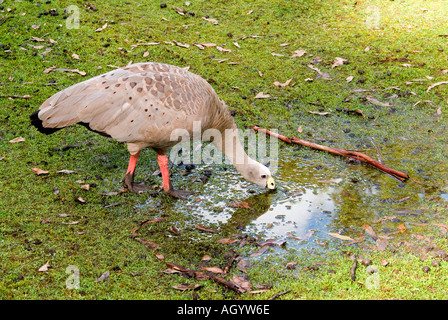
[350, 154]
[377, 151]
[275, 296]
[353, 268]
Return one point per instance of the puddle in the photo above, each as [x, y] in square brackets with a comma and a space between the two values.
[311, 200]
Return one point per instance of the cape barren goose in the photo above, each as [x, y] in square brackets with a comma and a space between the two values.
[142, 104]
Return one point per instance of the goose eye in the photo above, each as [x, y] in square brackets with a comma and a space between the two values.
[263, 176]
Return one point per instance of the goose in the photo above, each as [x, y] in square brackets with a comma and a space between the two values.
[142, 104]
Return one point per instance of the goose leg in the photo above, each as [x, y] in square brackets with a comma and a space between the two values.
[128, 180]
[167, 187]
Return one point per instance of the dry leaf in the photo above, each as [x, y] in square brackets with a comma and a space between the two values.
[401, 228]
[338, 62]
[242, 282]
[259, 252]
[378, 103]
[183, 287]
[339, 236]
[277, 54]
[75, 56]
[319, 113]
[18, 139]
[182, 45]
[381, 244]
[243, 264]
[349, 79]
[39, 172]
[240, 204]
[222, 49]
[103, 277]
[206, 258]
[199, 227]
[102, 28]
[80, 200]
[324, 75]
[237, 45]
[369, 230]
[291, 265]
[435, 85]
[37, 39]
[149, 244]
[300, 129]
[200, 46]
[298, 53]
[278, 84]
[145, 54]
[48, 70]
[66, 171]
[45, 267]
[261, 95]
[227, 240]
[85, 187]
[214, 21]
[212, 269]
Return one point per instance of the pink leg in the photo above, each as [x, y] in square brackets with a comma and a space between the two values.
[163, 164]
[133, 162]
[128, 180]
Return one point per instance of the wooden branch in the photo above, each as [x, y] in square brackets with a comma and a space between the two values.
[350, 154]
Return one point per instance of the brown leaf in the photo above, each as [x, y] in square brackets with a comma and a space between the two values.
[214, 21]
[338, 62]
[80, 200]
[39, 172]
[222, 49]
[37, 39]
[206, 258]
[103, 277]
[259, 252]
[243, 264]
[240, 204]
[339, 236]
[45, 267]
[101, 28]
[227, 240]
[149, 244]
[48, 70]
[18, 139]
[212, 269]
[378, 103]
[242, 282]
[278, 84]
[381, 244]
[369, 230]
[324, 75]
[401, 228]
[261, 95]
[298, 53]
[183, 45]
[159, 256]
[271, 242]
[435, 85]
[184, 287]
[199, 227]
[291, 265]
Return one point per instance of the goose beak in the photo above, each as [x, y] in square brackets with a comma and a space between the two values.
[270, 183]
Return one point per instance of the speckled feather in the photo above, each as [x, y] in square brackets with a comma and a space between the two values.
[140, 104]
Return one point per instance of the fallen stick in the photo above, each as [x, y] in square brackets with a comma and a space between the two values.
[350, 154]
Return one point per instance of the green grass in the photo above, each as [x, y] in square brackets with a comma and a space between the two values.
[325, 29]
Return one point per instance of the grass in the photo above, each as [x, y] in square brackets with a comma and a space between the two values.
[100, 237]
